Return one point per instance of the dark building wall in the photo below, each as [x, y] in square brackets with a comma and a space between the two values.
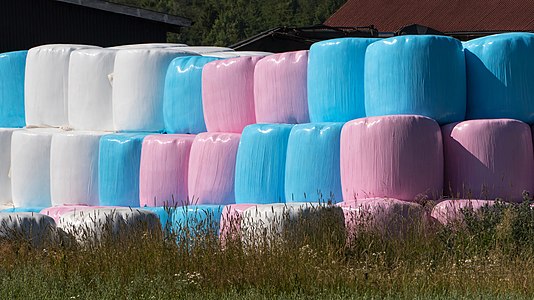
[28, 23]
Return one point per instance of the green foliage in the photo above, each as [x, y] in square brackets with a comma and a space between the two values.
[224, 22]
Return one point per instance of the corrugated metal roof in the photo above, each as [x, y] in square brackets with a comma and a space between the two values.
[446, 16]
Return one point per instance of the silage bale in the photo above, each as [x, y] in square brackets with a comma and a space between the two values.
[12, 70]
[212, 168]
[260, 164]
[182, 99]
[486, 159]
[453, 211]
[398, 157]
[312, 164]
[196, 220]
[231, 218]
[280, 93]
[416, 75]
[34, 228]
[335, 79]
[163, 169]
[500, 77]
[233, 54]
[5, 165]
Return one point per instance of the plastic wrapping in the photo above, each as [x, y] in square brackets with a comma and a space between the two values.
[228, 94]
[486, 159]
[46, 84]
[118, 169]
[147, 46]
[30, 167]
[231, 218]
[197, 219]
[232, 54]
[164, 215]
[397, 157]
[280, 93]
[90, 91]
[335, 79]
[383, 215]
[500, 73]
[28, 226]
[138, 83]
[212, 168]
[23, 209]
[55, 212]
[163, 171]
[92, 225]
[452, 211]
[312, 164]
[5, 165]
[12, 69]
[74, 167]
[182, 99]
[261, 163]
[416, 75]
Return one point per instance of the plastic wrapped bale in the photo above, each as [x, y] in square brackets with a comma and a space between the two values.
[381, 215]
[206, 49]
[118, 169]
[232, 54]
[164, 215]
[335, 79]
[454, 211]
[182, 99]
[261, 163]
[500, 72]
[35, 229]
[46, 84]
[398, 157]
[104, 224]
[280, 93]
[163, 170]
[12, 69]
[147, 46]
[74, 167]
[23, 209]
[312, 164]
[30, 167]
[138, 84]
[416, 75]
[231, 217]
[5, 165]
[55, 212]
[486, 159]
[212, 168]
[196, 220]
[228, 94]
[90, 91]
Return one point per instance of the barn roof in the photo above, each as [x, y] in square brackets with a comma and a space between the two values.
[132, 11]
[452, 16]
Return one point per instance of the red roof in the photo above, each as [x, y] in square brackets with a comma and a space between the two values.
[444, 15]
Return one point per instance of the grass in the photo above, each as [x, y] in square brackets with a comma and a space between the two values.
[490, 255]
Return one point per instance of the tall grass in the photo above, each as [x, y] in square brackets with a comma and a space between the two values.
[488, 255]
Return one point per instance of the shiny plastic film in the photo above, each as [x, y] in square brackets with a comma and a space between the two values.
[182, 100]
[90, 89]
[118, 169]
[30, 167]
[5, 165]
[416, 75]
[280, 93]
[12, 70]
[312, 165]
[212, 168]
[453, 211]
[138, 84]
[500, 72]
[231, 218]
[164, 168]
[486, 159]
[74, 167]
[46, 84]
[35, 228]
[261, 163]
[335, 79]
[228, 94]
[398, 157]
[233, 54]
[196, 219]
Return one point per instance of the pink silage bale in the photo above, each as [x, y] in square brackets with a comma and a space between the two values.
[56, 212]
[486, 159]
[231, 220]
[228, 94]
[450, 211]
[164, 169]
[399, 156]
[280, 88]
[212, 168]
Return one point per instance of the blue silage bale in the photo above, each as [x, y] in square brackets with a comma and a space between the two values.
[416, 75]
[260, 164]
[335, 79]
[312, 165]
[12, 74]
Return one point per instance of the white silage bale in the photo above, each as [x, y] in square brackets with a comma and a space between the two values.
[30, 227]
[5, 165]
